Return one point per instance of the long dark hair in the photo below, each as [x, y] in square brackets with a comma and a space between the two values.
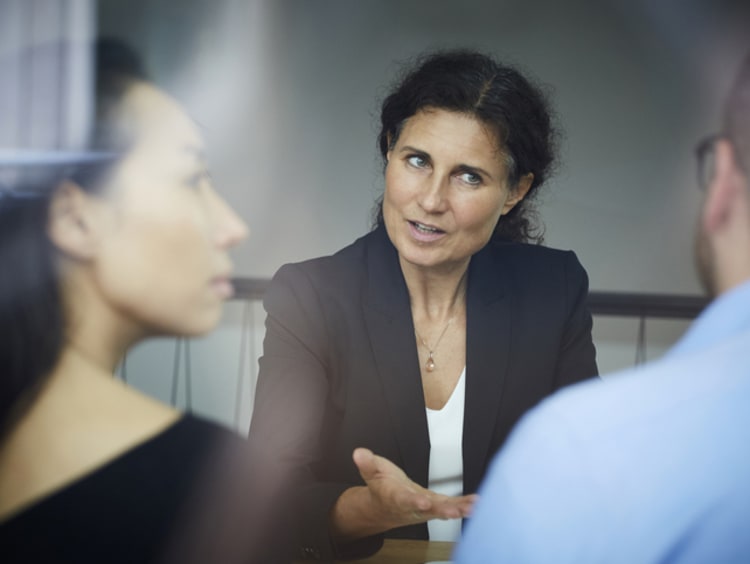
[32, 316]
[499, 96]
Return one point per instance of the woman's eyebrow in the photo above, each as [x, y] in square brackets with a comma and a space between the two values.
[196, 152]
[410, 149]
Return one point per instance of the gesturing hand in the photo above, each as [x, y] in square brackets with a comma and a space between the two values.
[397, 501]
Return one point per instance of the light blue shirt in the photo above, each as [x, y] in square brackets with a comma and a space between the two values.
[650, 465]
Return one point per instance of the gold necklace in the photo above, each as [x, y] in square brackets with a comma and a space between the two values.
[429, 364]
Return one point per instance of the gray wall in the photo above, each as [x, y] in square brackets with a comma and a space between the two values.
[288, 92]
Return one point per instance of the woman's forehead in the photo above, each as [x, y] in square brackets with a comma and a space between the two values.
[456, 128]
[157, 116]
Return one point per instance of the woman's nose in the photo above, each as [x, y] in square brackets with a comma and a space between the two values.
[432, 196]
[230, 228]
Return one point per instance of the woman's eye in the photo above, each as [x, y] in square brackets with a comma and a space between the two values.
[471, 178]
[198, 179]
[417, 161]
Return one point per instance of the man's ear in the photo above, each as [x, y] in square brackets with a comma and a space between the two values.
[519, 192]
[72, 221]
[724, 188]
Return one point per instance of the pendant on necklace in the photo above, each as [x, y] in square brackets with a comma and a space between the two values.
[430, 364]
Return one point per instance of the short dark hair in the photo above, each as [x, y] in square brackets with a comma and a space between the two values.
[32, 316]
[499, 96]
[737, 113]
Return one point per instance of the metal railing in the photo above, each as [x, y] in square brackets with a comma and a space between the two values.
[251, 290]
[668, 306]
[625, 304]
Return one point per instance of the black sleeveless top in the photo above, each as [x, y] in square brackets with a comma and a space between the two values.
[133, 509]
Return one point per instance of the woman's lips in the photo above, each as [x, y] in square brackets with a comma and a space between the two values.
[223, 287]
[425, 233]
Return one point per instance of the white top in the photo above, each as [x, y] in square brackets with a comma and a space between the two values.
[446, 470]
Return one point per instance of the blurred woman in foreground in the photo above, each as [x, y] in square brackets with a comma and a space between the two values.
[100, 250]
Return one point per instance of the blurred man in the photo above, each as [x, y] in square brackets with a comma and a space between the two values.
[652, 465]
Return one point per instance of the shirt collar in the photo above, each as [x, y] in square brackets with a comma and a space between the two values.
[727, 315]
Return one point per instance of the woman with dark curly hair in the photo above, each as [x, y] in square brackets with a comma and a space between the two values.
[426, 340]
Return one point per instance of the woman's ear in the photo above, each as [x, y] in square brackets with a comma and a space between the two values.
[73, 220]
[519, 192]
[723, 190]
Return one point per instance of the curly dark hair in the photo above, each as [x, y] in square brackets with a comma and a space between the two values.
[499, 96]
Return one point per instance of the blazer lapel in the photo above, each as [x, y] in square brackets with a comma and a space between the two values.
[488, 332]
[387, 313]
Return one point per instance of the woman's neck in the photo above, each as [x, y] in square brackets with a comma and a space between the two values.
[82, 357]
[98, 333]
[436, 294]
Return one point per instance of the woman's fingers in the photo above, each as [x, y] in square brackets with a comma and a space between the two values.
[445, 507]
[468, 504]
[405, 501]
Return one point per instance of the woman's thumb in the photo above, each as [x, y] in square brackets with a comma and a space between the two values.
[366, 463]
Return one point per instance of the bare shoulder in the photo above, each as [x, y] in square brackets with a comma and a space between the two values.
[72, 429]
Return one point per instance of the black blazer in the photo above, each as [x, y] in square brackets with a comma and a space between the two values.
[340, 368]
